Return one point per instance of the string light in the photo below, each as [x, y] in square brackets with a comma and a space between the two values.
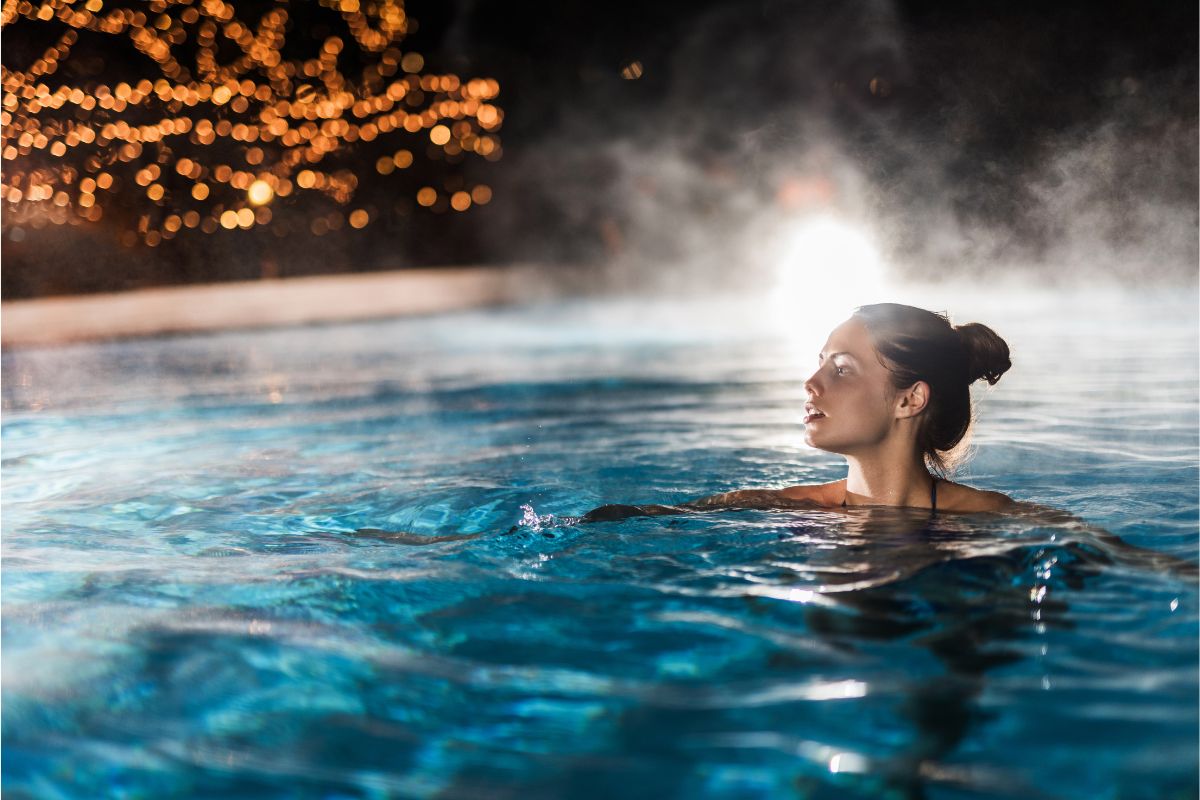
[230, 126]
[259, 193]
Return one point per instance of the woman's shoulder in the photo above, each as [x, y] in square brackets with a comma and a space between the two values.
[950, 496]
[822, 494]
[953, 496]
[792, 497]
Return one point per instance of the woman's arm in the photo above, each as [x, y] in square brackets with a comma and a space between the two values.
[1114, 546]
[618, 511]
[742, 499]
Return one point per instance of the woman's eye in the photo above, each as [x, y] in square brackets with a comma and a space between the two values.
[840, 370]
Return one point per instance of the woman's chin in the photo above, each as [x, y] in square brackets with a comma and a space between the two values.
[817, 441]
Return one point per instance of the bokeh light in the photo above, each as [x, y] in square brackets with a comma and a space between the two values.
[259, 193]
[239, 110]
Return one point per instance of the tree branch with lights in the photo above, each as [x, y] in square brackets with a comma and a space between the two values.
[178, 115]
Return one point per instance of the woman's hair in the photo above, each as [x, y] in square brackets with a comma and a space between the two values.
[919, 345]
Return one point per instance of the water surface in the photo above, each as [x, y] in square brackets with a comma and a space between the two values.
[296, 563]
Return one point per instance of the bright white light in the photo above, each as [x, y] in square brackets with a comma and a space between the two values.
[824, 256]
[847, 762]
[260, 193]
[824, 268]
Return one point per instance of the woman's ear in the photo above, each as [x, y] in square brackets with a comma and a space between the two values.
[912, 401]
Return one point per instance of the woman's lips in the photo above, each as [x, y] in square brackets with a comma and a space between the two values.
[809, 418]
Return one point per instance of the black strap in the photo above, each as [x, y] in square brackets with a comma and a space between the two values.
[932, 496]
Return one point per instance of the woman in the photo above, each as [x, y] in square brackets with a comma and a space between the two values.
[892, 394]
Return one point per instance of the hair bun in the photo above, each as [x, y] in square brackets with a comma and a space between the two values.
[987, 353]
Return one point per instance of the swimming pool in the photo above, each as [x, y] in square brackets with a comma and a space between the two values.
[297, 563]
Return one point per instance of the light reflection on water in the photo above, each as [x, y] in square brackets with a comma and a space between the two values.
[247, 563]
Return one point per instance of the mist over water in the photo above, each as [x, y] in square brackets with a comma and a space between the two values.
[989, 147]
[691, 146]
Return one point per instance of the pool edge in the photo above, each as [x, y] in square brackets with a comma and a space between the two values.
[258, 304]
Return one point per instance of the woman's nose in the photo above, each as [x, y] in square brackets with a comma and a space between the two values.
[812, 386]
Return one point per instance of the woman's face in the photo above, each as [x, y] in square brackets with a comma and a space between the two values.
[851, 400]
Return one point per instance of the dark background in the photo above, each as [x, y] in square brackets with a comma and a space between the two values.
[1059, 136]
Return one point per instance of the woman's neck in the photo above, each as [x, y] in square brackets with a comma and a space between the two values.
[887, 481]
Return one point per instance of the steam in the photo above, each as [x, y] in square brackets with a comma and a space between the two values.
[829, 120]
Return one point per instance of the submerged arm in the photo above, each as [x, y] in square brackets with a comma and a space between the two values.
[1114, 546]
[743, 499]
[618, 511]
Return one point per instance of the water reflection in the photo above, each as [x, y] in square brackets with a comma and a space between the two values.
[973, 594]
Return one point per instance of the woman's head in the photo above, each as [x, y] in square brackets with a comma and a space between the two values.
[892, 366]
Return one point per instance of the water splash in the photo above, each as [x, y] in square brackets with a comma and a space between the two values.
[540, 522]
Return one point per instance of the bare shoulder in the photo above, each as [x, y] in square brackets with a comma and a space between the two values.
[958, 497]
[792, 497]
[741, 498]
[822, 494]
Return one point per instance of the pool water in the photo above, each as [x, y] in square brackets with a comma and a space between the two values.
[342, 562]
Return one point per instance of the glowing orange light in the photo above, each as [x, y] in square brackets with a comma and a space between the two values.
[257, 96]
[260, 193]
[481, 194]
[487, 115]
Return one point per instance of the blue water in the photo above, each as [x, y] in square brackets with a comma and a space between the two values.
[296, 563]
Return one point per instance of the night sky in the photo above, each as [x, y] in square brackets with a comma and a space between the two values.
[1003, 127]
